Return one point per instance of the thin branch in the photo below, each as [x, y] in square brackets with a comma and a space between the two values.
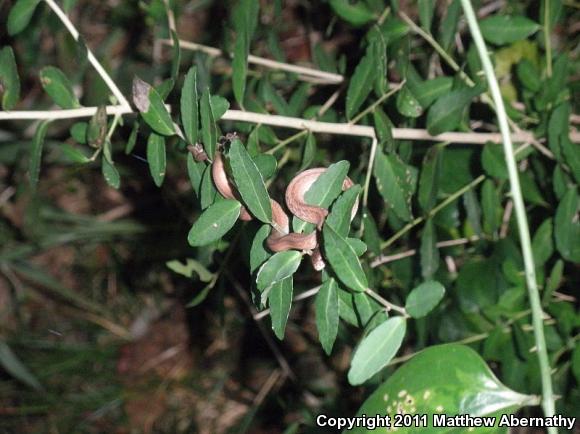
[434, 211]
[387, 304]
[323, 76]
[100, 70]
[384, 259]
[548, 402]
[294, 123]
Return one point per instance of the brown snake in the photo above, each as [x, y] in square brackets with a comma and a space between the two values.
[280, 238]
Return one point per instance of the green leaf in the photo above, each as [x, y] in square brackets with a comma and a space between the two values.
[445, 114]
[505, 29]
[424, 298]
[16, 368]
[190, 269]
[73, 154]
[219, 106]
[567, 226]
[266, 164]
[156, 158]
[245, 17]
[152, 109]
[249, 182]
[9, 80]
[361, 84]
[407, 104]
[355, 12]
[20, 16]
[207, 193]
[429, 180]
[195, 172]
[214, 222]
[491, 207]
[280, 301]
[571, 152]
[309, 152]
[426, 10]
[553, 281]
[473, 211]
[78, 132]
[326, 307]
[323, 191]
[371, 234]
[529, 75]
[423, 384]
[576, 363]
[175, 56]
[343, 260]
[391, 186]
[493, 161]
[132, 140]
[428, 91]
[208, 127]
[376, 350]
[278, 267]
[258, 251]
[429, 251]
[36, 153]
[58, 87]
[357, 245]
[448, 25]
[110, 173]
[542, 243]
[190, 107]
[383, 128]
[341, 213]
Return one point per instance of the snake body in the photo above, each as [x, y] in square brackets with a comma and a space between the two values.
[280, 238]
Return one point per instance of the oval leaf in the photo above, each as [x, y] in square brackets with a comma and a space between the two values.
[361, 84]
[36, 153]
[424, 298]
[153, 110]
[505, 29]
[355, 12]
[376, 350]
[214, 222]
[9, 80]
[190, 106]
[343, 260]
[423, 386]
[445, 114]
[249, 182]
[278, 267]
[567, 226]
[156, 158]
[280, 302]
[327, 314]
[58, 87]
[20, 15]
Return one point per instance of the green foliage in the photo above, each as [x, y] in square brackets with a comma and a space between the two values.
[430, 256]
[376, 350]
[423, 384]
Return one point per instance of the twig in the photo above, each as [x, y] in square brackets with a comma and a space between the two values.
[383, 259]
[302, 296]
[520, 212]
[294, 123]
[434, 211]
[387, 304]
[505, 221]
[322, 76]
[100, 70]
